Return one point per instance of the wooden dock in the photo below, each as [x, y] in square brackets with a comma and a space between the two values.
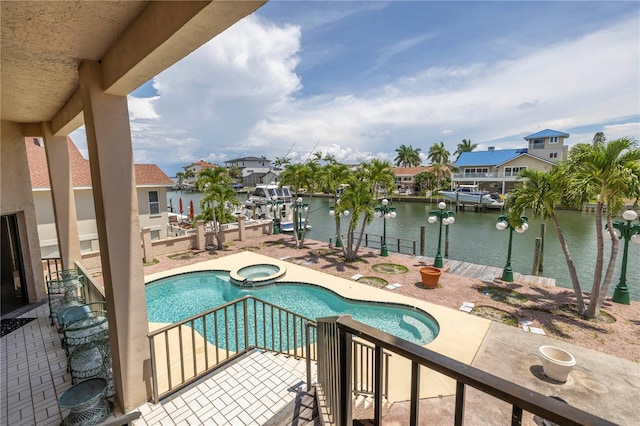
[487, 273]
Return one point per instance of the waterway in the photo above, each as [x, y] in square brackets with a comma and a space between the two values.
[474, 238]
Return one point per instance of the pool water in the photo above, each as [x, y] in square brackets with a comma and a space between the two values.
[175, 298]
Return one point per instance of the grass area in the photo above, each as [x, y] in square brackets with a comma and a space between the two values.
[390, 268]
[504, 295]
[184, 255]
[373, 281]
[495, 314]
[153, 262]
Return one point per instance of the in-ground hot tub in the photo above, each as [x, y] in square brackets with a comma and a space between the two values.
[257, 275]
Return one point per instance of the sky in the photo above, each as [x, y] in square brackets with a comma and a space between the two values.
[357, 80]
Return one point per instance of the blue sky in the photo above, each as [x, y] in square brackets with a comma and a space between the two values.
[359, 79]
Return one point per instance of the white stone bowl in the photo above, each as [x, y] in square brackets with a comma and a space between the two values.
[556, 362]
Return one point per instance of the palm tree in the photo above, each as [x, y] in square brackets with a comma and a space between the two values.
[426, 180]
[180, 179]
[607, 172]
[379, 174]
[465, 146]
[297, 176]
[599, 137]
[358, 200]
[407, 156]
[542, 192]
[280, 161]
[212, 182]
[333, 177]
[438, 153]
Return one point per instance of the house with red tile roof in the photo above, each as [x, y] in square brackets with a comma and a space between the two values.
[151, 184]
[405, 178]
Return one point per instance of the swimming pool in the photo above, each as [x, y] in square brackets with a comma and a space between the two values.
[178, 297]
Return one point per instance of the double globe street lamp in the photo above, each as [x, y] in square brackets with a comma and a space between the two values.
[501, 225]
[446, 218]
[386, 212]
[630, 232]
[275, 204]
[298, 208]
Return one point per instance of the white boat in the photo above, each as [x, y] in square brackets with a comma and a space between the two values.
[265, 194]
[470, 194]
[288, 226]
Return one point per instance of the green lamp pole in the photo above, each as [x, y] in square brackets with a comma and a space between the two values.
[630, 232]
[275, 205]
[299, 208]
[501, 225]
[385, 212]
[444, 217]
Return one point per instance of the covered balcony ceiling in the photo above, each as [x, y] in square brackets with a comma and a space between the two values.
[44, 42]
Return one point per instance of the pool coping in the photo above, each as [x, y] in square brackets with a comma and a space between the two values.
[460, 335]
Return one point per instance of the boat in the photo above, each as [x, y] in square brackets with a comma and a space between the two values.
[288, 226]
[472, 195]
[266, 194]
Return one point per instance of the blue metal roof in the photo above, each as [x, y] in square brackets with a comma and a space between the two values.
[485, 158]
[546, 133]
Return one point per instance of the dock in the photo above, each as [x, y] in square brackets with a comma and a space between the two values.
[487, 273]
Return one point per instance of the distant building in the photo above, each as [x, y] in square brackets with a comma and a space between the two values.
[151, 184]
[405, 178]
[496, 170]
[254, 170]
[196, 168]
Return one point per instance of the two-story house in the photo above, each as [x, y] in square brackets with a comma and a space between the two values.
[496, 170]
[151, 185]
[254, 170]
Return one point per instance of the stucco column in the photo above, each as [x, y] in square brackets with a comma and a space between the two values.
[16, 197]
[241, 227]
[200, 239]
[64, 201]
[146, 245]
[106, 120]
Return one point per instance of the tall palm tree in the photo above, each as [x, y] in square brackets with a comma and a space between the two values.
[407, 156]
[465, 146]
[438, 153]
[333, 177]
[296, 176]
[542, 192]
[358, 200]
[607, 172]
[211, 183]
[379, 174]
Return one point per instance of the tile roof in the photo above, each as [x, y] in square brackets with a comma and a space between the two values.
[488, 158]
[410, 171]
[546, 133]
[146, 174]
[202, 164]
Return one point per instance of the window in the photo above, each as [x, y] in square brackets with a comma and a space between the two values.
[154, 203]
[553, 155]
[513, 171]
[553, 139]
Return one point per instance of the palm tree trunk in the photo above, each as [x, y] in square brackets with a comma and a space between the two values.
[608, 276]
[592, 312]
[575, 282]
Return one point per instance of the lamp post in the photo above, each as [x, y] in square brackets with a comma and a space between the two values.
[501, 225]
[387, 213]
[299, 207]
[275, 206]
[332, 213]
[445, 217]
[630, 232]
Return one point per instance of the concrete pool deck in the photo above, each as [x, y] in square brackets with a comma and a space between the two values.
[460, 335]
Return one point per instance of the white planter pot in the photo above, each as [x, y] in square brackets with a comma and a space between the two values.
[556, 362]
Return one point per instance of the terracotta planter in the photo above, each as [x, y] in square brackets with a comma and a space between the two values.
[430, 276]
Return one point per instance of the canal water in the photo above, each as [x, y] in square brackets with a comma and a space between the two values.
[474, 238]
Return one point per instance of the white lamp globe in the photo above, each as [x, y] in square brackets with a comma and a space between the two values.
[446, 221]
[393, 214]
[451, 220]
[299, 200]
[385, 201]
[442, 205]
[501, 226]
[387, 215]
[377, 213]
[346, 213]
[520, 229]
[525, 226]
[629, 215]
[432, 219]
[332, 212]
[635, 238]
